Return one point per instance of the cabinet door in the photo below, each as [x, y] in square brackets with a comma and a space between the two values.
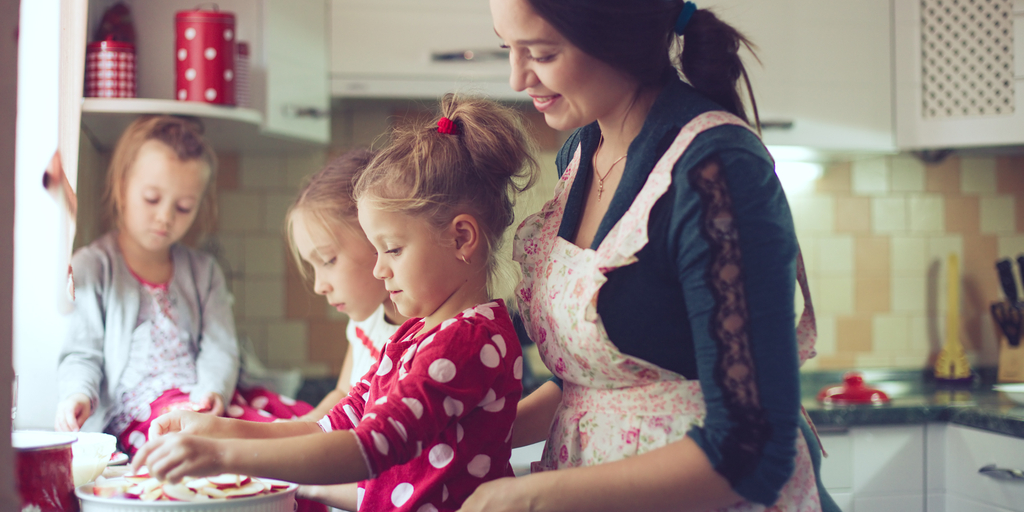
[825, 66]
[967, 451]
[959, 73]
[295, 42]
[875, 469]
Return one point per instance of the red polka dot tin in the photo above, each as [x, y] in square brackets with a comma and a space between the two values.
[110, 70]
[204, 51]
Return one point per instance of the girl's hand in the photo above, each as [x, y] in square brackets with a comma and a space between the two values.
[501, 495]
[72, 413]
[212, 404]
[186, 422]
[173, 457]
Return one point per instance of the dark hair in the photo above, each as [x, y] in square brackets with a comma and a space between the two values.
[636, 37]
[436, 176]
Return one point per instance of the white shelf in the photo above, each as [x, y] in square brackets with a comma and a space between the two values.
[227, 128]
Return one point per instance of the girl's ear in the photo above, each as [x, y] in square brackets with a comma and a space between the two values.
[467, 235]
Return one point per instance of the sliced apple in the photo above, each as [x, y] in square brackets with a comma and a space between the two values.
[135, 490]
[212, 492]
[179, 492]
[198, 483]
[228, 480]
[152, 495]
[109, 490]
[251, 488]
[149, 484]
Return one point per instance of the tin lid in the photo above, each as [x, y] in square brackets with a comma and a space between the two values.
[110, 44]
[31, 440]
[205, 16]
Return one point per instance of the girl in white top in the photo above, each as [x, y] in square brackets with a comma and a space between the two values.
[330, 247]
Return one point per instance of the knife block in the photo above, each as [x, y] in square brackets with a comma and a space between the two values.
[1011, 361]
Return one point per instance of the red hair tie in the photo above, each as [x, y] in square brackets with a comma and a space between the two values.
[446, 126]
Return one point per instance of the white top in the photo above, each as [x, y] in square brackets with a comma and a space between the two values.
[367, 339]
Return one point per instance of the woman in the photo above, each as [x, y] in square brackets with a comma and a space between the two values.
[659, 281]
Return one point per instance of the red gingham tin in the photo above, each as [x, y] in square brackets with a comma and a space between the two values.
[110, 70]
[205, 56]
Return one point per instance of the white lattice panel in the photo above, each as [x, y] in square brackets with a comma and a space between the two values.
[967, 58]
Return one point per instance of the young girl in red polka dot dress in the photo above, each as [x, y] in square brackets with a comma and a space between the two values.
[432, 419]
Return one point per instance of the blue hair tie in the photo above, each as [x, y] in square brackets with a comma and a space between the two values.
[684, 17]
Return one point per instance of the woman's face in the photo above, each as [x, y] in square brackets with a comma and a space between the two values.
[570, 87]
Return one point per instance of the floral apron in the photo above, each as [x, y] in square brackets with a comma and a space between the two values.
[615, 405]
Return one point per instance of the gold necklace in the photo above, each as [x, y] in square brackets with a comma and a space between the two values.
[600, 179]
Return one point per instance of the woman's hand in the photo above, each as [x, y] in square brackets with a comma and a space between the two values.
[213, 404]
[173, 457]
[501, 495]
[72, 413]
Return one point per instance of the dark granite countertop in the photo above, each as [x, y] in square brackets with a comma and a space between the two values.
[916, 397]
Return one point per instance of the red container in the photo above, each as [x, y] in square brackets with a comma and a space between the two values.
[110, 69]
[205, 56]
[44, 478]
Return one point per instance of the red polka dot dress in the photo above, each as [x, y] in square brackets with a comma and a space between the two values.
[434, 414]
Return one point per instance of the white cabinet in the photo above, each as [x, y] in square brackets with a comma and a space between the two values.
[876, 468]
[964, 487]
[825, 67]
[288, 75]
[416, 49]
[959, 73]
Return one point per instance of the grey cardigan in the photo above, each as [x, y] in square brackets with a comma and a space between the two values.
[105, 313]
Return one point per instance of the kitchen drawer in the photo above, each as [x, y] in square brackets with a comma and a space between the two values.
[968, 450]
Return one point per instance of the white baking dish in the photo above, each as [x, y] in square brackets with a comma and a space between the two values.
[281, 501]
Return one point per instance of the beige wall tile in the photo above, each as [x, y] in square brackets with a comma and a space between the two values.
[919, 341]
[277, 206]
[240, 212]
[286, 344]
[889, 215]
[813, 214]
[870, 176]
[909, 295]
[232, 254]
[854, 334]
[299, 166]
[872, 256]
[909, 361]
[836, 362]
[227, 171]
[835, 256]
[264, 256]
[998, 215]
[256, 331]
[263, 171]
[943, 177]
[264, 297]
[826, 343]
[833, 295]
[872, 295]
[1010, 175]
[907, 173]
[327, 343]
[1010, 246]
[978, 175]
[963, 214]
[874, 360]
[890, 334]
[853, 214]
[835, 179]
[909, 254]
[809, 249]
[939, 248]
[237, 288]
[927, 214]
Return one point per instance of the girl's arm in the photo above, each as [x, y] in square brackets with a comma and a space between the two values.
[218, 359]
[80, 364]
[677, 477]
[208, 425]
[534, 415]
[336, 394]
[317, 459]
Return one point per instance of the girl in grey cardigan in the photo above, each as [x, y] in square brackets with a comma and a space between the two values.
[152, 328]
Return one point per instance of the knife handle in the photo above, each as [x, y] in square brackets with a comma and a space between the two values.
[1006, 280]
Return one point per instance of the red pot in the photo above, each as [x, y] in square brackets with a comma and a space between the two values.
[44, 475]
[204, 51]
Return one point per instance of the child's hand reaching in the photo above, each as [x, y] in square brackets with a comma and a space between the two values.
[173, 457]
[186, 422]
[72, 413]
[212, 404]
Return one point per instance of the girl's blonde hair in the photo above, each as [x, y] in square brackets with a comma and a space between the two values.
[185, 138]
[327, 197]
[436, 176]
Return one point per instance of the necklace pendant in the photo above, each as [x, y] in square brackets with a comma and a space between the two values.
[600, 190]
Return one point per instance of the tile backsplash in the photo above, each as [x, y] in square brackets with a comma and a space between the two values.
[875, 232]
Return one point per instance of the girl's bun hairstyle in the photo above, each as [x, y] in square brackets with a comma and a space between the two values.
[184, 137]
[327, 197]
[637, 36]
[477, 170]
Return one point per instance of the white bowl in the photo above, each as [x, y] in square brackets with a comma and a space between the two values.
[90, 455]
[281, 501]
[1014, 391]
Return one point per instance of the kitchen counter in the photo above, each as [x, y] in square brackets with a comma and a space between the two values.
[915, 397]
